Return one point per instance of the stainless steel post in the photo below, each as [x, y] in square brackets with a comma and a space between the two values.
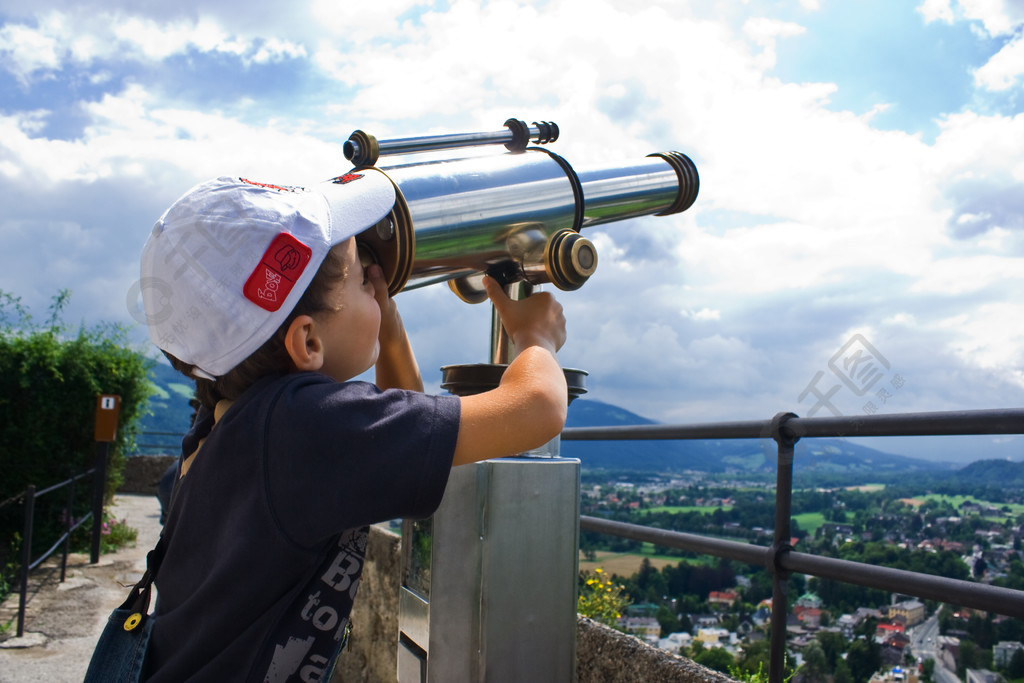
[489, 582]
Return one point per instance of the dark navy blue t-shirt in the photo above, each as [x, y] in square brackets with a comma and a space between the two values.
[267, 529]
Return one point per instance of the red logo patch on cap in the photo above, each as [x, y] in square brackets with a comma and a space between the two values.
[280, 267]
[346, 179]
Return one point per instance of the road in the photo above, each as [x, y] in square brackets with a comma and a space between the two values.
[924, 642]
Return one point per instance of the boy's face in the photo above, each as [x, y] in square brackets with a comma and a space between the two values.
[350, 331]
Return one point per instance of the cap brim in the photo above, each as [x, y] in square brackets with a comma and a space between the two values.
[357, 201]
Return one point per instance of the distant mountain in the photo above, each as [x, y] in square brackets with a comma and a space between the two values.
[826, 456]
[1002, 473]
[169, 411]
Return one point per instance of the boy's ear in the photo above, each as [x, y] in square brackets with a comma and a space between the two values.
[304, 345]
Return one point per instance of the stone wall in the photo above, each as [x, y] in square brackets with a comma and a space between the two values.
[603, 655]
[142, 472]
[372, 653]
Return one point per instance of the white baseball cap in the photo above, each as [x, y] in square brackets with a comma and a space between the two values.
[226, 264]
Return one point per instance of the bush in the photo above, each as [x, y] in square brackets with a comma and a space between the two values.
[601, 599]
[114, 534]
[49, 381]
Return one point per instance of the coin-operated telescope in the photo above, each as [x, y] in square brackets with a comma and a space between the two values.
[515, 216]
[488, 589]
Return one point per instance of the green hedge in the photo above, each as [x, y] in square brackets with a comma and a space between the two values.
[49, 380]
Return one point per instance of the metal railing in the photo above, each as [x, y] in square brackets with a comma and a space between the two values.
[27, 563]
[29, 498]
[780, 559]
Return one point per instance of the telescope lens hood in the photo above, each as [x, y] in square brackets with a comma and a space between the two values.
[689, 181]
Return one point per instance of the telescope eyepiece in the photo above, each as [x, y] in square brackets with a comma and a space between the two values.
[362, 149]
[570, 260]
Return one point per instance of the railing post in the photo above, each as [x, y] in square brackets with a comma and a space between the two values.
[26, 554]
[781, 544]
[98, 489]
[69, 520]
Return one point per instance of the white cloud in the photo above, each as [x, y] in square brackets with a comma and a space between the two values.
[24, 51]
[992, 338]
[1003, 69]
[131, 134]
[936, 10]
[989, 18]
[59, 39]
[998, 17]
[703, 314]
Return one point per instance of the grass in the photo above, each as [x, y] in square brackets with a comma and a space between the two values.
[676, 509]
[810, 521]
[956, 501]
[867, 488]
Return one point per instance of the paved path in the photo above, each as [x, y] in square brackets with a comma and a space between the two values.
[63, 621]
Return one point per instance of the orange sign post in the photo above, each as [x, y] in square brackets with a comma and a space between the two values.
[108, 409]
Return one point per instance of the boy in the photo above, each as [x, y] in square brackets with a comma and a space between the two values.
[257, 292]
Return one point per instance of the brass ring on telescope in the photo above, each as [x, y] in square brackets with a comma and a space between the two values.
[362, 149]
[689, 181]
[569, 259]
[396, 253]
[469, 288]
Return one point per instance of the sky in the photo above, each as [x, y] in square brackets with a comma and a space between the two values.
[857, 246]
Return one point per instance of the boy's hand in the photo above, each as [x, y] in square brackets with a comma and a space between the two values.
[396, 365]
[536, 320]
[528, 407]
[391, 328]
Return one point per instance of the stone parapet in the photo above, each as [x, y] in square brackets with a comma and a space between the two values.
[603, 655]
[142, 473]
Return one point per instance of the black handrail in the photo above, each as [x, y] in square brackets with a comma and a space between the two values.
[780, 559]
[96, 513]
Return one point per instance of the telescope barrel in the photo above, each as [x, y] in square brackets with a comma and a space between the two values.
[516, 217]
[661, 184]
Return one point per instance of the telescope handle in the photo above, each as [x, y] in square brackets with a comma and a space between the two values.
[502, 348]
[363, 149]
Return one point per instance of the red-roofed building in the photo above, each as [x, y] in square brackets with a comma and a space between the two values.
[810, 617]
[723, 597]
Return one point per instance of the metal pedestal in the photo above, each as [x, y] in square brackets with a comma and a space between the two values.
[489, 583]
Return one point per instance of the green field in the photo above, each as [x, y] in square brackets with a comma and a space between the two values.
[956, 501]
[676, 509]
[810, 521]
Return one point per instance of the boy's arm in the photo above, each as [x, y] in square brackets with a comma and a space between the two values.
[528, 407]
[396, 366]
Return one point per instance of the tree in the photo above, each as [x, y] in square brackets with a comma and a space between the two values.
[864, 658]
[1015, 669]
[841, 672]
[716, 658]
[833, 644]
[668, 620]
[50, 379]
[927, 670]
[815, 666]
